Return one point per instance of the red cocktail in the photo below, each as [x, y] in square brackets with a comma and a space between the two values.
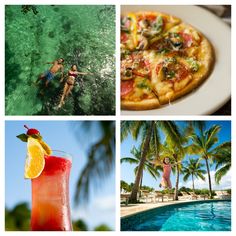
[50, 195]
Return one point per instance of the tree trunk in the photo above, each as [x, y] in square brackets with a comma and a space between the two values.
[134, 192]
[209, 177]
[140, 186]
[177, 183]
[193, 184]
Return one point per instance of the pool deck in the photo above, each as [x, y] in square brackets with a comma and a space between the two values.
[126, 210]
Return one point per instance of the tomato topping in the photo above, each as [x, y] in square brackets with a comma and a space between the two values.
[173, 71]
[188, 39]
[127, 23]
[126, 87]
[181, 72]
[123, 37]
[147, 17]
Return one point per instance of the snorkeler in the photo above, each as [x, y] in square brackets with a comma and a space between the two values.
[57, 66]
[70, 82]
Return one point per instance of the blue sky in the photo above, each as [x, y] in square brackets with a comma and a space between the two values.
[60, 135]
[127, 173]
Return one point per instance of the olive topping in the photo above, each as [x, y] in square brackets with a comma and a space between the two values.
[128, 72]
[176, 41]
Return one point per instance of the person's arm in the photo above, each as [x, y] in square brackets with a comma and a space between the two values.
[83, 73]
[156, 162]
[62, 79]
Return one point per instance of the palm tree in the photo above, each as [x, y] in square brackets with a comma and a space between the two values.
[204, 144]
[135, 159]
[148, 132]
[100, 156]
[223, 160]
[193, 168]
[146, 129]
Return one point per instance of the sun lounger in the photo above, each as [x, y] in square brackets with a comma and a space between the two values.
[223, 194]
[170, 196]
[144, 196]
[186, 195]
[125, 197]
[159, 196]
[193, 196]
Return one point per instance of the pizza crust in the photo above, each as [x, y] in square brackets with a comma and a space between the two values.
[146, 104]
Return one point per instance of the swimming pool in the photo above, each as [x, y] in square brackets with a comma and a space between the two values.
[210, 215]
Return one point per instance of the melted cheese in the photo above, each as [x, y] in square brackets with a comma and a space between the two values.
[138, 93]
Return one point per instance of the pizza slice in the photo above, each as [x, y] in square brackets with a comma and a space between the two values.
[173, 77]
[140, 28]
[136, 87]
[183, 40]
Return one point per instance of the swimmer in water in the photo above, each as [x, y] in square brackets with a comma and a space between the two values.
[70, 82]
[48, 75]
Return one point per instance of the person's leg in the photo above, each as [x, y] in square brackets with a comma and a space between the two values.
[163, 183]
[70, 87]
[49, 76]
[63, 95]
[169, 183]
[40, 77]
[46, 83]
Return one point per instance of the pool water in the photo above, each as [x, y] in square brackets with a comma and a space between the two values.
[195, 216]
[82, 35]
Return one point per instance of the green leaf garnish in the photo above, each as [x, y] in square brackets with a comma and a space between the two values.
[23, 137]
[158, 24]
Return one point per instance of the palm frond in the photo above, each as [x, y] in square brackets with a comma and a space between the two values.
[211, 136]
[200, 125]
[186, 177]
[129, 160]
[100, 162]
[221, 172]
[172, 132]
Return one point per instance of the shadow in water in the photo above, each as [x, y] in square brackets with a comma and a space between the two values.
[12, 71]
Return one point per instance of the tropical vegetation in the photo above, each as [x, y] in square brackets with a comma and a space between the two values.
[18, 219]
[192, 147]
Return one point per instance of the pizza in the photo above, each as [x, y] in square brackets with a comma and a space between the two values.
[162, 59]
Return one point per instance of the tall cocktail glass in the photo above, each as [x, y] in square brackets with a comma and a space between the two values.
[50, 195]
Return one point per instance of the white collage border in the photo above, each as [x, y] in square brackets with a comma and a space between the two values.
[117, 117]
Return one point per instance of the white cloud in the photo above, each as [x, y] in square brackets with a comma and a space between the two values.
[225, 182]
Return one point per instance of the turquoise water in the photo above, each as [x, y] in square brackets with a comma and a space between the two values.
[82, 35]
[203, 216]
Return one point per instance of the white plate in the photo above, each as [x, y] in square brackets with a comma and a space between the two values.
[216, 90]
